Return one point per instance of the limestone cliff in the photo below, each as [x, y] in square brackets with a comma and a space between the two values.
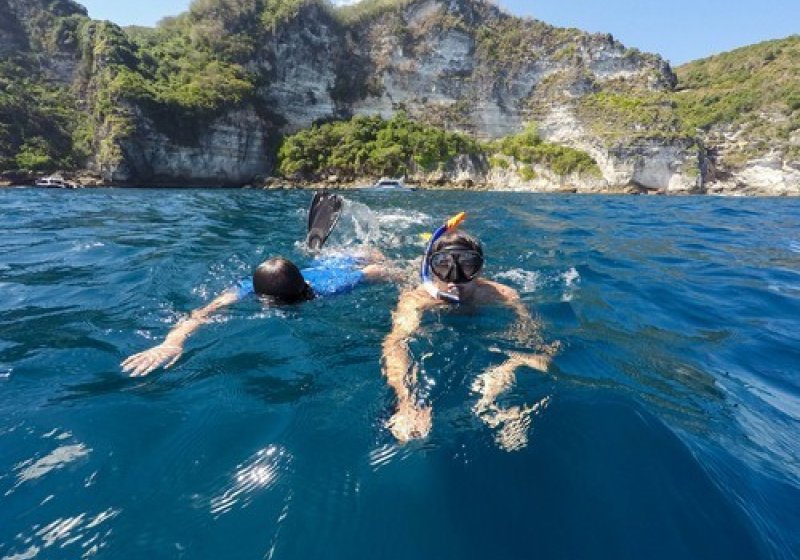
[206, 97]
[746, 107]
[461, 64]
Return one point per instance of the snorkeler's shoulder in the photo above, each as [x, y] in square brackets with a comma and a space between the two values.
[489, 290]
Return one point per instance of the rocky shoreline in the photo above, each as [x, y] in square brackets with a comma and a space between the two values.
[89, 180]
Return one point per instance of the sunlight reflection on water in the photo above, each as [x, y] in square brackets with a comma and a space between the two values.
[256, 474]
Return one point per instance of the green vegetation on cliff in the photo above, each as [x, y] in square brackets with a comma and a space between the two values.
[528, 148]
[734, 87]
[40, 120]
[190, 65]
[370, 146]
[364, 10]
[622, 117]
[754, 90]
[39, 123]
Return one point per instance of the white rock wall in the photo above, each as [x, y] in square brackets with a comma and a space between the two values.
[303, 76]
[231, 152]
[769, 175]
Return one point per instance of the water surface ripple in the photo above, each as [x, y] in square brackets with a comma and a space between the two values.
[668, 426]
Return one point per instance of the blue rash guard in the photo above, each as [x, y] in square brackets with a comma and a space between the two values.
[327, 277]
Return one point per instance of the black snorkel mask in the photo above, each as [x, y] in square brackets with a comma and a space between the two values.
[453, 264]
[456, 264]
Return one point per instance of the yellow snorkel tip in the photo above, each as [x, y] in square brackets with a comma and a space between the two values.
[456, 220]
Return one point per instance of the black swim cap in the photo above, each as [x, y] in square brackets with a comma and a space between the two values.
[281, 279]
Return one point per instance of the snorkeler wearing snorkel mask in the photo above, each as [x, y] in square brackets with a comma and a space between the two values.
[455, 259]
[451, 277]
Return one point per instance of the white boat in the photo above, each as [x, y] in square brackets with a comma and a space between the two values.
[55, 182]
[387, 184]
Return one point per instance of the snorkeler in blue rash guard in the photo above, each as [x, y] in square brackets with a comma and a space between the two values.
[276, 280]
[329, 276]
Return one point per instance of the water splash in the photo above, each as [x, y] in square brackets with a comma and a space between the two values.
[528, 281]
[402, 221]
[571, 279]
[359, 225]
[80, 247]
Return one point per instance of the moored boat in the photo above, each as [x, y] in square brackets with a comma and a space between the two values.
[55, 182]
[389, 184]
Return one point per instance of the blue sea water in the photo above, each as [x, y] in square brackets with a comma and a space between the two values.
[672, 419]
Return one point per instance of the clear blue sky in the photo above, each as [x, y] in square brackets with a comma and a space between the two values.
[679, 30]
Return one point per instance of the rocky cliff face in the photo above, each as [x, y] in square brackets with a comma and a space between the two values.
[231, 150]
[42, 29]
[12, 37]
[772, 173]
[451, 68]
[662, 165]
[746, 104]
[460, 64]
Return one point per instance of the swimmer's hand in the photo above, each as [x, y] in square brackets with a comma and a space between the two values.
[410, 421]
[538, 362]
[143, 363]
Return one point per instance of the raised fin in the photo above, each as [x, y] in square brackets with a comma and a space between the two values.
[322, 217]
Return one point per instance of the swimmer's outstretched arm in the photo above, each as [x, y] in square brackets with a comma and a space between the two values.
[378, 268]
[410, 419]
[383, 273]
[527, 330]
[168, 352]
[512, 422]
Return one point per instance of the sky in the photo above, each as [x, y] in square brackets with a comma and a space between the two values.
[678, 30]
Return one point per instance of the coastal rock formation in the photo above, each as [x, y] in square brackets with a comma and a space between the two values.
[44, 28]
[206, 97]
[662, 165]
[228, 151]
[447, 63]
[770, 174]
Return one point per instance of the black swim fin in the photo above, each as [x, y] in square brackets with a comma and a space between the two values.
[322, 217]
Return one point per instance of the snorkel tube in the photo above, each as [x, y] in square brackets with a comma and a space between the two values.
[425, 271]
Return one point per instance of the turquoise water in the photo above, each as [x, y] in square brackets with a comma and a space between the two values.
[671, 429]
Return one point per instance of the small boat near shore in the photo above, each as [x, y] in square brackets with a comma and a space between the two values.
[389, 184]
[55, 182]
